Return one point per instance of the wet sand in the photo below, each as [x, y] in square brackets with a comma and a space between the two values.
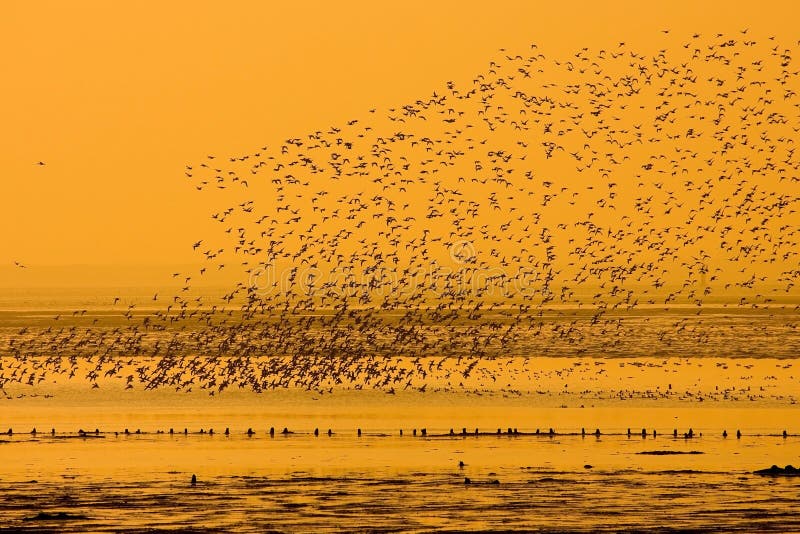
[382, 481]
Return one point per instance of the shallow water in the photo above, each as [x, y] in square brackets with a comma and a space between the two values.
[382, 481]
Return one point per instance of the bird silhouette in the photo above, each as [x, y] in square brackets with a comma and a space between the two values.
[617, 202]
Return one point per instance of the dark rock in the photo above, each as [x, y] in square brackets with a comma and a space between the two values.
[788, 471]
[664, 453]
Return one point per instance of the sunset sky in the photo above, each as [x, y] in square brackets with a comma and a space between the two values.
[116, 99]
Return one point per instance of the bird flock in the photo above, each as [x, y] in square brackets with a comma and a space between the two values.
[612, 202]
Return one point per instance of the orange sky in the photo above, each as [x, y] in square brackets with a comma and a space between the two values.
[117, 97]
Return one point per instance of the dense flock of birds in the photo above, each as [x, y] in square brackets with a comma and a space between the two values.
[604, 203]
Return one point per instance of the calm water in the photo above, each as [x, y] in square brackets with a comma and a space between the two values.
[384, 482]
